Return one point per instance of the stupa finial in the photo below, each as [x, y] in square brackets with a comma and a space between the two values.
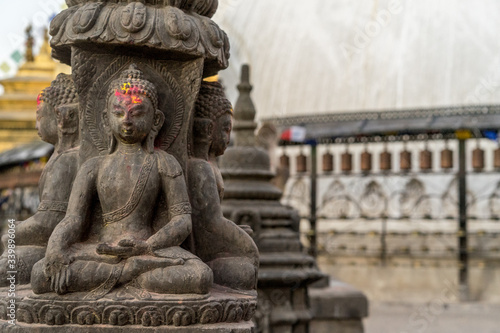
[29, 44]
[244, 112]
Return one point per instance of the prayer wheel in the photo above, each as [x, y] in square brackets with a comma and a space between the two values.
[346, 162]
[301, 163]
[446, 159]
[496, 162]
[385, 161]
[285, 161]
[366, 162]
[405, 161]
[327, 162]
[426, 160]
[478, 159]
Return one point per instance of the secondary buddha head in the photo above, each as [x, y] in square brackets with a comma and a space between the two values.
[50, 102]
[213, 105]
[132, 114]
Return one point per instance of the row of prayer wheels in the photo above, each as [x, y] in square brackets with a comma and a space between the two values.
[405, 161]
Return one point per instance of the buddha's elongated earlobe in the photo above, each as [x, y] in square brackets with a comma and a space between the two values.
[159, 119]
[111, 138]
[210, 130]
[112, 144]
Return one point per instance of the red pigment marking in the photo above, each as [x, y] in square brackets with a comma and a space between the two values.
[121, 97]
[136, 100]
[126, 93]
[126, 87]
[39, 99]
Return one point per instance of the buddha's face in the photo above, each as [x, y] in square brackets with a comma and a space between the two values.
[130, 116]
[67, 118]
[46, 122]
[221, 134]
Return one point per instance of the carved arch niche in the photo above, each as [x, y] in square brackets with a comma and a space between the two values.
[177, 84]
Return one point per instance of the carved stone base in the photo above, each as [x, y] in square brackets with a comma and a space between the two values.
[338, 307]
[129, 307]
[245, 327]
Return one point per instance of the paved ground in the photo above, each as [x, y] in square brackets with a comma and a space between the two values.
[434, 317]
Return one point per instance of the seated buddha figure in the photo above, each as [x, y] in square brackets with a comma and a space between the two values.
[57, 123]
[130, 246]
[226, 248]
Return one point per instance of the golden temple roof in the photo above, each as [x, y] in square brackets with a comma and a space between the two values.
[18, 103]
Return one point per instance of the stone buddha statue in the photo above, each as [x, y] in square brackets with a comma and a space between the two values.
[131, 245]
[228, 249]
[57, 123]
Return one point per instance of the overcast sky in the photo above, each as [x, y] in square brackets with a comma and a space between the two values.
[17, 15]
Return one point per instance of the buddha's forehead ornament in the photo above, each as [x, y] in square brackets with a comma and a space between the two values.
[132, 82]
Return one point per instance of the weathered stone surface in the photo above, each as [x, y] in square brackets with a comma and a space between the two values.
[57, 123]
[169, 28]
[338, 307]
[132, 306]
[123, 250]
[251, 200]
[340, 301]
[340, 326]
[287, 302]
[234, 257]
[179, 82]
[245, 327]
[129, 243]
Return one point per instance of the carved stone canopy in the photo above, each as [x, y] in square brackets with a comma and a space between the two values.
[201, 7]
[167, 28]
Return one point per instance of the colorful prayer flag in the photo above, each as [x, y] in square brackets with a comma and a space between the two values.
[5, 67]
[463, 134]
[492, 135]
[17, 56]
[294, 134]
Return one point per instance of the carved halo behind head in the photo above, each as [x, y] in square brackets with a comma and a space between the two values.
[132, 81]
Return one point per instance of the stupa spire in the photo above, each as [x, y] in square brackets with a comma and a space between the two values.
[251, 199]
[29, 44]
[244, 112]
[45, 49]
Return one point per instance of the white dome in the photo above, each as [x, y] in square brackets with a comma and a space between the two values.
[324, 56]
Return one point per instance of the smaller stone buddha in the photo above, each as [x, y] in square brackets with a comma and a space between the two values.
[57, 123]
[226, 248]
[131, 245]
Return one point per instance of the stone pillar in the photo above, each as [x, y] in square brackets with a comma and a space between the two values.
[286, 302]
[251, 199]
[118, 256]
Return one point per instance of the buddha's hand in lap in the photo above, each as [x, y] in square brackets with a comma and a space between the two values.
[125, 249]
[57, 270]
[129, 248]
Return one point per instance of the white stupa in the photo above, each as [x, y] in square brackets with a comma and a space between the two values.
[320, 56]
